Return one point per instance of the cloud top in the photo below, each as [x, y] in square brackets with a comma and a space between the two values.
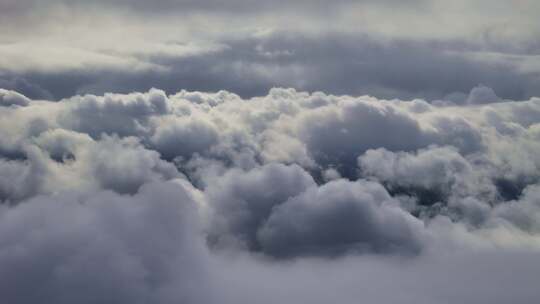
[152, 197]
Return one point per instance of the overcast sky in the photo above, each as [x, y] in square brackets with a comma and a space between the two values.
[390, 49]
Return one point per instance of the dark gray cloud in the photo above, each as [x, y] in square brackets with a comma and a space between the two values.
[333, 62]
[190, 6]
[104, 247]
[340, 217]
[244, 201]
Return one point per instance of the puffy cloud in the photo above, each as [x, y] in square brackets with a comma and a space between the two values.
[290, 178]
[9, 98]
[19, 179]
[235, 190]
[119, 114]
[60, 160]
[243, 201]
[482, 94]
[148, 247]
[436, 173]
[183, 137]
[315, 131]
[125, 165]
[104, 247]
[336, 134]
[523, 213]
[340, 217]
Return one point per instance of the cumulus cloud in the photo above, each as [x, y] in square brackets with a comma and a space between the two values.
[113, 113]
[494, 143]
[169, 191]
[249, 151]
[104, 247]
[437, 172]
[340, 217]
[482, 94]
[243, 201]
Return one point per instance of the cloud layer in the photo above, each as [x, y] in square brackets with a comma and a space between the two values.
[388, 49]
[210, 197]
[366, 151]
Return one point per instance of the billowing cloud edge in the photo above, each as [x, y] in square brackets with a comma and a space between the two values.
[148, 179]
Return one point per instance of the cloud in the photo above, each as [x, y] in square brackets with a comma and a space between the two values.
[482, 94]
[170, 191]
[316, 131]
[334, 134]
[336, 46]
[525, 216]
[467, 277]
[113, 113]
[436, 172]
[251, 64]
[104, 247]
[340, 217]
[183, 138]
[248, 151]
[9, 98]
[244, 201]
[60, 160]
[148, 247]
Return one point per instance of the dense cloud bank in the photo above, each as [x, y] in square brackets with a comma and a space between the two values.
[251, 64]
[54, 49]
[211, 198]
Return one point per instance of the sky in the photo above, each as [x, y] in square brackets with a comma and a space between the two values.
[247, 151]
[390, 49]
